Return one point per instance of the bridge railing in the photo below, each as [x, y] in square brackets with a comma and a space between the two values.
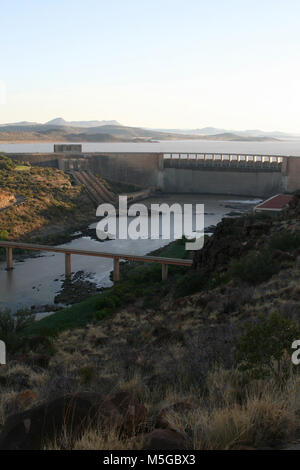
[165, 262]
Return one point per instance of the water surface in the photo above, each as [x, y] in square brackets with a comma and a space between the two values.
[288, 147]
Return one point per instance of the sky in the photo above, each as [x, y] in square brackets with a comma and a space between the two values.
[233, 64]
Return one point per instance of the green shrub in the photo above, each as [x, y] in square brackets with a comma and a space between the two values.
[255, 267]
[262, 347]
[103, 313]
[218, 279]
[285, 241]
[12, 326]
[86, 375]
[6, 163]
[4, 235]
[190, 284]
[108, 302]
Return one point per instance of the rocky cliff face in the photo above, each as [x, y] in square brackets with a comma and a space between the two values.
[235, 237]
[232, 238]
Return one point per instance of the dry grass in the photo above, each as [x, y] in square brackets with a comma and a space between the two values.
[166, 356]
[97, 439]
[267, 416]
[227, 409]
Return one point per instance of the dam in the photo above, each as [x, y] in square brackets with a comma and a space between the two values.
[191, 173]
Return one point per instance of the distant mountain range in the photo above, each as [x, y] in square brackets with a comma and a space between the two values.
[61, 122]
[112, 131]
[208, 131]
[62, 131]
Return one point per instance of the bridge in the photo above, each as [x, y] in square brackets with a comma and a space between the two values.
[249, 175]
[165, 262]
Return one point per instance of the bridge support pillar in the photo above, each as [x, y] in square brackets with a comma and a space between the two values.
[9, 259]
[68, 265]
[116, 269]
[164, 272]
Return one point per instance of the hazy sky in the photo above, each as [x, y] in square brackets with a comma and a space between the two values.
[158, 63]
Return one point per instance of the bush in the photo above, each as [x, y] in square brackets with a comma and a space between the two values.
[254, 268]
[12, 327]
[6, 163]
[285, 241]
[190, 284]
[4, 235]
[86, 375]
[262, 348]
[106, 301]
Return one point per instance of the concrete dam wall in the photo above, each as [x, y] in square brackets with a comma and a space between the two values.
[238, 183]
[240, 175]
[142, 169]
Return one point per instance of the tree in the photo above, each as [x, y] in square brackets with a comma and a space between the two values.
[263, 346]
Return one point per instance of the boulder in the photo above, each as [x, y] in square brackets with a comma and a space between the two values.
[25, 398]
[134, 414]
[179, 407]
[31, 429]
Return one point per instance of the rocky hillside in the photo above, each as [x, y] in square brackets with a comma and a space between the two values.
[51, 204]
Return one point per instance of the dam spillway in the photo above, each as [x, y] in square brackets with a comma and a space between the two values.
[192, 173]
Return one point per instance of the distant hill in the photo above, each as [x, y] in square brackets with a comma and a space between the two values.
[213, 131]
[204, 131]
[62, 122]
[20, 124]
[63, 132]
[59, 129]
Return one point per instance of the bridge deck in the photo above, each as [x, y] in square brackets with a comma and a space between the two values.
[165, 262]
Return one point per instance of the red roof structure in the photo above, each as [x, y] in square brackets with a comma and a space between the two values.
[274, 203]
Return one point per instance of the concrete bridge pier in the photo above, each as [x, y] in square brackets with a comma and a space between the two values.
[68, 270]
[116, 269]
[9, 259]
[164, 272]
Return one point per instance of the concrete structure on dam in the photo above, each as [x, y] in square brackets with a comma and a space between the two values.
[202, 173]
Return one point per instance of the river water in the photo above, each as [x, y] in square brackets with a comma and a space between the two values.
[36, 280]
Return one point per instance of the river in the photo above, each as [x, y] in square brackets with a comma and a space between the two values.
[36, 280]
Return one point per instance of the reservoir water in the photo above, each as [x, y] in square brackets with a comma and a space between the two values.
[282, 147]
[36, 280]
